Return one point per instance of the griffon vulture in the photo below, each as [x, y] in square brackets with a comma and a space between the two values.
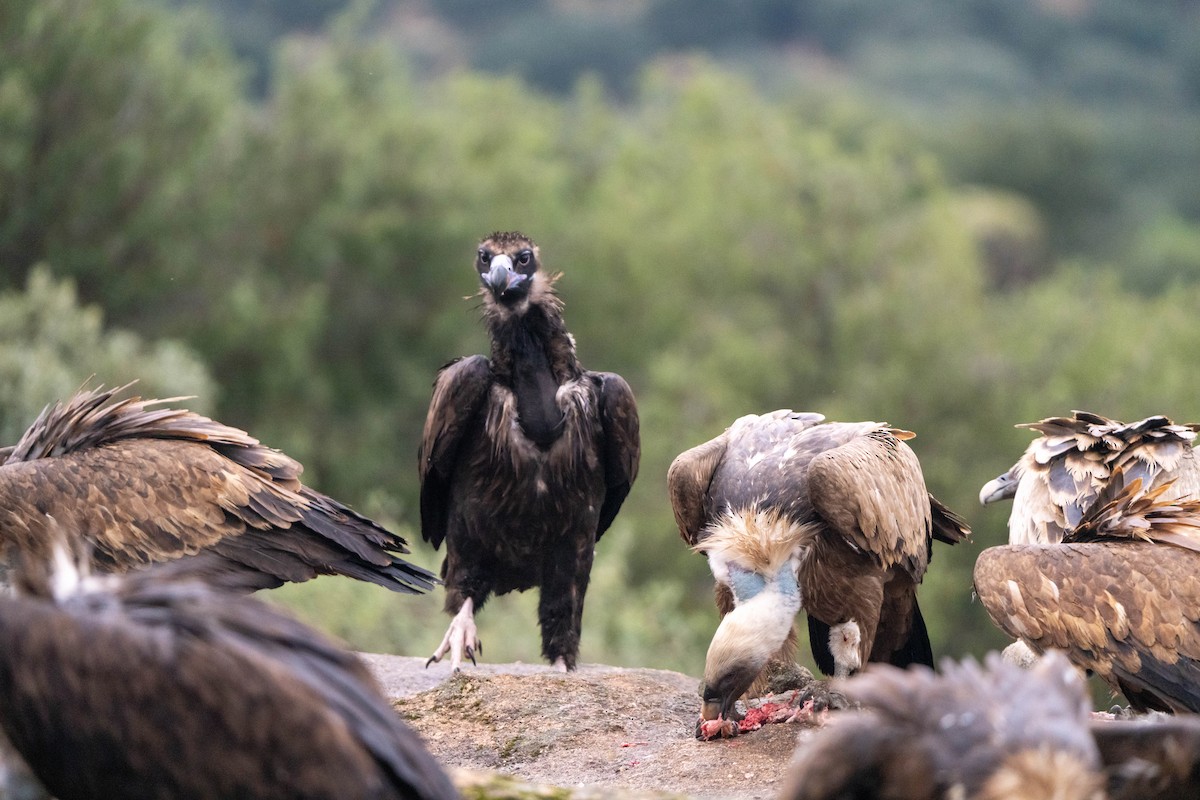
[997, 732]
[155, 685]
[142, 484]
[1063, 471]
[525, 459]
[793, 512]
[1120, 594]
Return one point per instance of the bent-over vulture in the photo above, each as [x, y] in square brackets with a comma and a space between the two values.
[142, 484]
[155, 685]
[1064, 470]
[996, 732]
[525, 459]
[1120, 594]
[793, 512]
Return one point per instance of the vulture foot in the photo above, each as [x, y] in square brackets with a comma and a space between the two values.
[461, 638]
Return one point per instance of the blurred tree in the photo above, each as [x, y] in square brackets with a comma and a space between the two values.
[51, 346]
[114, 136]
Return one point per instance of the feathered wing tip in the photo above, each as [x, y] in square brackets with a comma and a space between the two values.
[1084, 431]
[1128, 512]
[92, 417]
[761, 540]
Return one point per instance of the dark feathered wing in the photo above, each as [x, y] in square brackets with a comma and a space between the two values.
[870, 491]
[157, 681]
[688, 479]
[144, 485]
[1130, 612]
[621, 445]
[459, 393]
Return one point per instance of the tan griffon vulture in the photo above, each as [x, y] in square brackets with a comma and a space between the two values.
[142, 484]
[1120, 594]
[1065, 469]
[793, 512]
[155, 685]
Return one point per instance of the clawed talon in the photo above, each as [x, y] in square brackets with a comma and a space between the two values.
[460, 639]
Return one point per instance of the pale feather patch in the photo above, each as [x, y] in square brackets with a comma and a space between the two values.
[761, 540]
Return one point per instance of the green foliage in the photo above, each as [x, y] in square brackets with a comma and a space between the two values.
[725, 250]
[52, 346]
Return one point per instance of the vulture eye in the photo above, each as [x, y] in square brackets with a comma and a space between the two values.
[484, 256]
[524, 257]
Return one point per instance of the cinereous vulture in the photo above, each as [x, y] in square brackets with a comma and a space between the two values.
[1064, 470]
[141, 484]
[796, 513]
[525, 459]
[1120, 594]
[153, 684]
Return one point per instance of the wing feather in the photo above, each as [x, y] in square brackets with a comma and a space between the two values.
[871, 491]
[459, 392]
[621, 445]
[1128, 611]
[688, 479]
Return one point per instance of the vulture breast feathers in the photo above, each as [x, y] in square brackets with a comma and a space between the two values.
[526, 457]
[1064, 471]
[141, 484]
[794, 512]
[165, 687]
[1120, 594]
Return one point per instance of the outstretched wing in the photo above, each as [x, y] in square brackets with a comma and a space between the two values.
[459, 392]
[870, 491]
[688, 479]
[621, 447]
[1128, 611]
[144, 486]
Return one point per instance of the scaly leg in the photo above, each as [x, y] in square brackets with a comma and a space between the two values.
[460, 639]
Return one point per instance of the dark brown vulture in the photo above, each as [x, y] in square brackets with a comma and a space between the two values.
[156, 685]
[1065, 469]
[141, 484]
[525, 459]
[1120, 595]
[832, 517]
[970, 733]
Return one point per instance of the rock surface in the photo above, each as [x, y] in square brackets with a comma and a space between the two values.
[597, 732]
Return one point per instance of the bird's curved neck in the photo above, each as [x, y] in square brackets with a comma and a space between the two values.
[533, 354]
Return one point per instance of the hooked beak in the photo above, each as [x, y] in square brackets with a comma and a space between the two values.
[501, 279]
[1001, 488]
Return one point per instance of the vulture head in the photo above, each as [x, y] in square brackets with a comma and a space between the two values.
[510, 271]
[757, 555]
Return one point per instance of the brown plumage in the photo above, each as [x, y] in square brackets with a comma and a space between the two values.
[1120, 595]
[155, 685]
[992, 733]
[142, 484]
[1150, 758]
[525, 459]
[832, 517]
[1063, 471]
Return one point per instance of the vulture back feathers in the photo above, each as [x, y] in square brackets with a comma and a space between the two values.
[1120, 595]
[154, 685]
[795, 512]
[996, 732]
[525, 459]
[142, 484]
[1064, 471]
